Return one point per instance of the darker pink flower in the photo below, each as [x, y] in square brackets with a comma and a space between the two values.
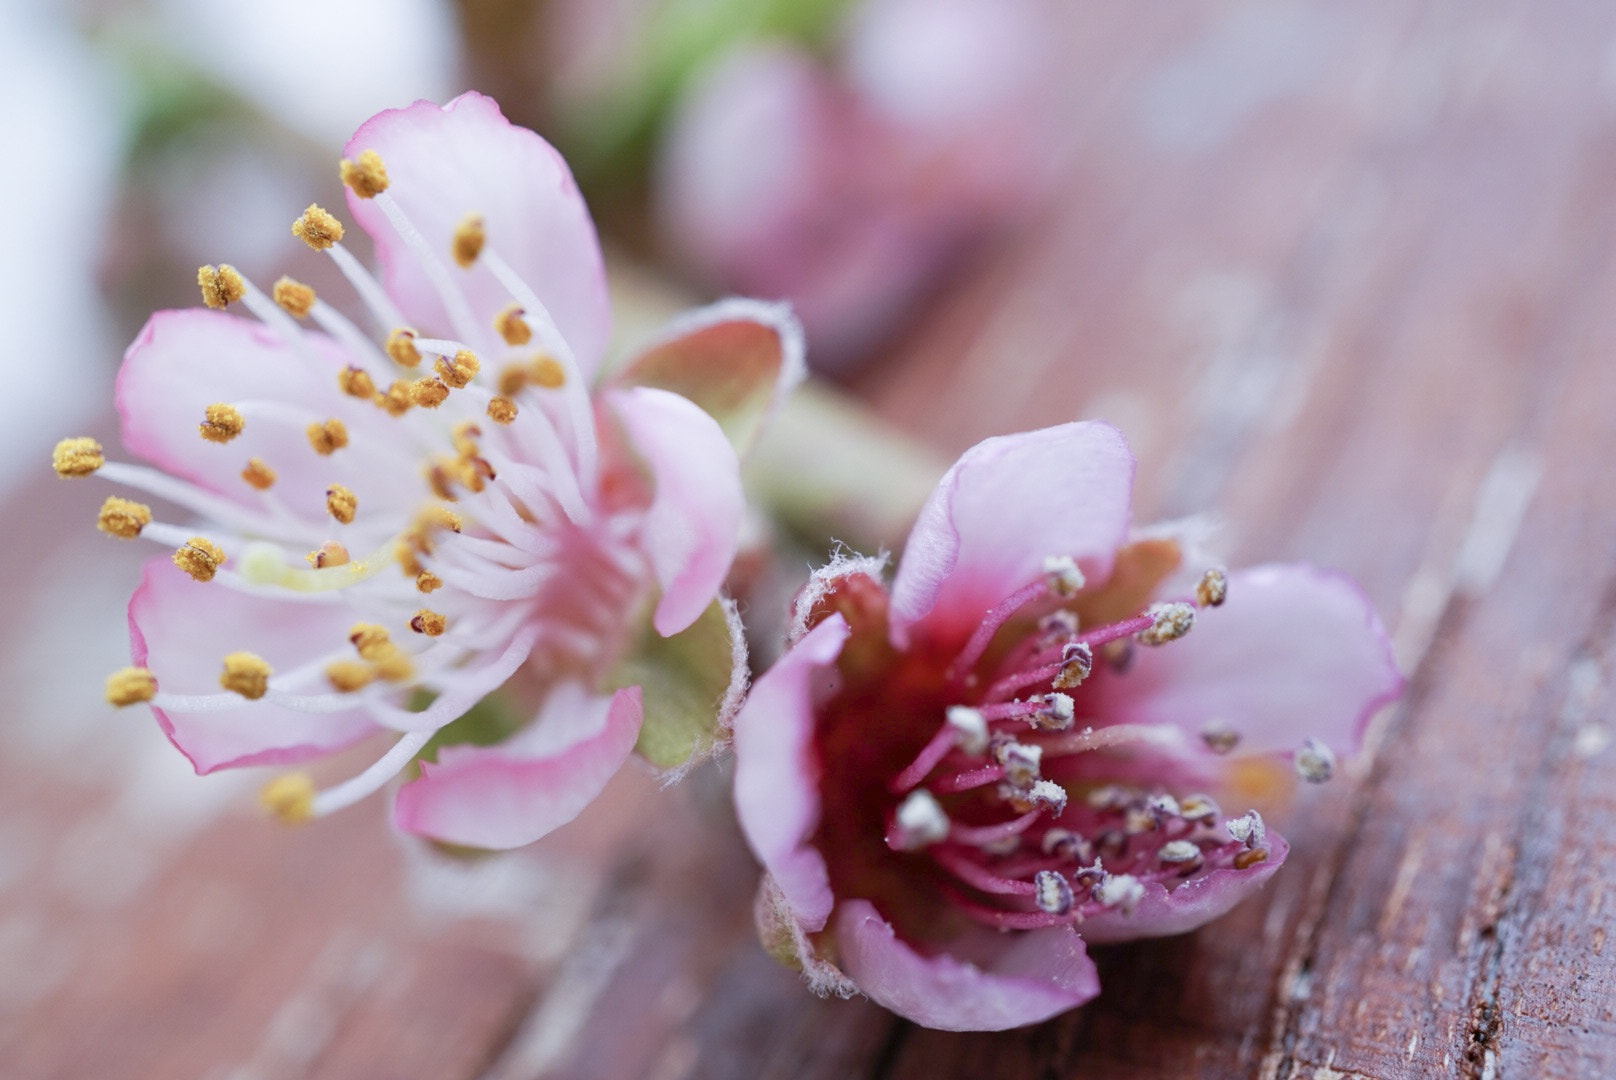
[953, 785]
[389, 520]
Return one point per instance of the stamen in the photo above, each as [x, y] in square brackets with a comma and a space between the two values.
[123, 518]
[246, 674]
[1004, 920]
[317, 228]
[258, 474]
[512, 327]
[1021, 762]
[460, 371]
[1077, 663]
[401, 347]
[1042, 795]
[1065, 844]
[294, 297]
[429, 622]
[970, 728]
[990, 625]
[919, 822]
[1212, 589]
[1064, 578]
[469, 238]
[1197, 809]
[980, 835]
[330, 553]
[200, 557]
[222, 423]
[130, 686]
[1122, 891]
[356, 382]
[1219, 737]
[1169, 622]
[426, 581]
[548, 372]
[969, 779]
[372, 779]
[1248, 829]
[371, 640]
[1175, 852]
[1052, 893]
[975, 875]
[428, 393]
[221, 285]
[329, 437]
[1247, 859]
[341, 503]
[289, 798]
[964, 727]
[1315, 762]
[502, 410]
[397, 400]
[367, 177]
[77, 457]
[348, 676]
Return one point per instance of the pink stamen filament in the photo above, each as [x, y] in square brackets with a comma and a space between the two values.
[975, 875]
[970, 778]
[990, 625]
[931, 755]
[1005, 920]
[1011, 710]
[979, 835]
[1010, 685]
[1081, 742]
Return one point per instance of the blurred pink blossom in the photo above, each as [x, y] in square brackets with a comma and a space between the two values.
[956, 784]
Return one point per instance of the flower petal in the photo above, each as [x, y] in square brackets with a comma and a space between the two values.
[511, 794]
[448, 163]
[693, 525]
[1008, 503]
[1196, 902]
[1030, 977]
[737, 359]
[1294, 652]
[777, 770]
[184, 361]
[182, 630]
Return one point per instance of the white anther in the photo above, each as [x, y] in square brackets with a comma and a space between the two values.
[1178, 851]
[1053, 893]
[1123, 891]
[1109, 797]
[1219, 737]
[1021, 763]
[1065, 844]
[921, 821]
[970, 728]
[1213, 587]
[1162, 805]
[1197, 807]
[1315, 762]
[1248, 829]
[1077, 662]
[1057, 713]
[1058, 624]
[1050, 796]
[1169, 622]
[1065, 579]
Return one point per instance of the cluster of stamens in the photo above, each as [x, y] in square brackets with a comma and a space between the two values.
[521, 487]
[977, 801]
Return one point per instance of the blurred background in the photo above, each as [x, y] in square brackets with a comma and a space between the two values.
[1340, 271]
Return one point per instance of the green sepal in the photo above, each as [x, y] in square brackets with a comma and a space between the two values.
[686, 680]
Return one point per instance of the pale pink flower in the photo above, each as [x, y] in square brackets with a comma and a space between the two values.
[390, 524]
[954, 785]
[849, 189]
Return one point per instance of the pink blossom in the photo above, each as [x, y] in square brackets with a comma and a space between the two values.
[850, 189]
[954, 784]
[388, 523]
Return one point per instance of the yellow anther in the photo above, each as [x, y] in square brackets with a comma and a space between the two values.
[221, 285]
[428, 393]
[502, 410]
[356, 382]
[397, 398]
[77, 457]
[469, 237]
[429, 622]
[346, 676]
[289, 798]
[258, 474]
[296, 297]
[246, 674]
[222, 423]
[317, 228]
[123, 518]
[394, 665]
[200, 557]
[1212, 589]
[367, 177]
[512, 378]
[329, 437]
[465, 435]
[404, 555]
[547, 372]
[401, 347]
[371, 640]
[440, 477]
[341, 503]
[441, 517]
[130, 686]
[460, 370]
[330, 553]
[427, 581]
[512, 327]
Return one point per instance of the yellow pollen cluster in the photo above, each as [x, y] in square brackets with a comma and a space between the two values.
[459, 371]
[222, 423]
[426, 581]
[429, 622]
[512, 327]
[246, 674]
[371, 640]
[130, 686]
[289, 798]
[441, 517]
[317, 228]
[330, 553]
[341, 503]
[547, 372]
[396, 400]
[502, 410]
[428, 393]
[367, 177]
[200, 557]
[77, 457]
[347, 676]
[401, 347]
[294, 296]
[469, 237]
[356, 382]
[123, 518]
[258, 474]
[329, 437]
[221, 285]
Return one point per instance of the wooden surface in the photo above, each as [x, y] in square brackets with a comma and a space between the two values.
[1344, 274]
